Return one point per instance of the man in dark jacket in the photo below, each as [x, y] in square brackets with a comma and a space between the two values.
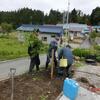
[34, 56]
[52, 46]
[66, 53]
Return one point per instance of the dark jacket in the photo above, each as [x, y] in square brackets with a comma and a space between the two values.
[66, 53]
[36, 59]
[53, 45]
[33, 54]
[33, 50]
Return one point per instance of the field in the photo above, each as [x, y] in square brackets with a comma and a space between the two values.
[11, 47]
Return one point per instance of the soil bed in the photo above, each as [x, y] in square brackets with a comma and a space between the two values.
[36, 87]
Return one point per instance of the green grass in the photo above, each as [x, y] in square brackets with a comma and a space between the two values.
[11, 48]
[43, 97]
[78, 64]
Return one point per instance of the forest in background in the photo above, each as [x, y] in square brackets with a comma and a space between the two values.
[29, 16]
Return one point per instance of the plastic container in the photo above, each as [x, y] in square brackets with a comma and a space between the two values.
[70, 88]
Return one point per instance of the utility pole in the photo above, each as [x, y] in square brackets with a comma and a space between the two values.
[68, 20]
[31, 20]
[64, 17]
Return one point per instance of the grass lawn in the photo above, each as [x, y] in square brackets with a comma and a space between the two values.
[11, 48]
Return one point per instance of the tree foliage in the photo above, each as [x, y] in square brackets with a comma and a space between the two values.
[29, 16]
[33, 39]
[73, 16]
[6, 28]
[95, 16]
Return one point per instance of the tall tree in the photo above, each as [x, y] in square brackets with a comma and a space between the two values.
[54, 17]
[95, 16]
[73, 16]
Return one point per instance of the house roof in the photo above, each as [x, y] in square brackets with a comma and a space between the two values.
[96, 26]
[51, 29]
[26, 27]
[75, 27]
[42, 28]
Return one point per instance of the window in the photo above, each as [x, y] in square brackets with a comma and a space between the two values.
[44, 38]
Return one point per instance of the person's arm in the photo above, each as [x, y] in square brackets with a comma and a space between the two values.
[60, 54]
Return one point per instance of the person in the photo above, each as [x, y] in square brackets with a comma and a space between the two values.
[33, 51]
[34, 57]
[66, 53]
[52, 45]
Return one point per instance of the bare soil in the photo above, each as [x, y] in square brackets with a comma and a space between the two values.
[36, 87]
[40, 87]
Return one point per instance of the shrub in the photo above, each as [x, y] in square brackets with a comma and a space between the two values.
[98, 58]
[93, 35]
[6, 27]
[81, 52]
[97, 47]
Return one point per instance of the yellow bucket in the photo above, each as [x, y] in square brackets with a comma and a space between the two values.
[63, 62]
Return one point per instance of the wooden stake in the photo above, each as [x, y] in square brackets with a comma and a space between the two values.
[52, 66]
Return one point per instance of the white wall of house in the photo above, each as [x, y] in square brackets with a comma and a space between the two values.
[76, 34]
[79, 34]
[46, 38]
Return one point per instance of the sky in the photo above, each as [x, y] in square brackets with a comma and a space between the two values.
[86, 6]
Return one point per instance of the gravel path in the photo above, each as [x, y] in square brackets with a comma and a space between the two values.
[90, 72]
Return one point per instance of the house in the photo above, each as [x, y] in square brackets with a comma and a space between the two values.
[46, 32]
[97, 28]
[76, 29]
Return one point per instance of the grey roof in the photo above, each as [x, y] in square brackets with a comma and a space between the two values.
[51, 29]
[75, 27]
[26, 27]
[42, 28]
[96, 26]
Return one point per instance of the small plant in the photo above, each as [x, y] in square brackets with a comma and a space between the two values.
[78, 64]
[43, 97]
[30, 98]
[36, 78]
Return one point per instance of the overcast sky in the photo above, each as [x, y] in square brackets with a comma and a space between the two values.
[45, 5]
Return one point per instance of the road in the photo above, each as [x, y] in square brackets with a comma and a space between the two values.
[21, 65]
[86, 44]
